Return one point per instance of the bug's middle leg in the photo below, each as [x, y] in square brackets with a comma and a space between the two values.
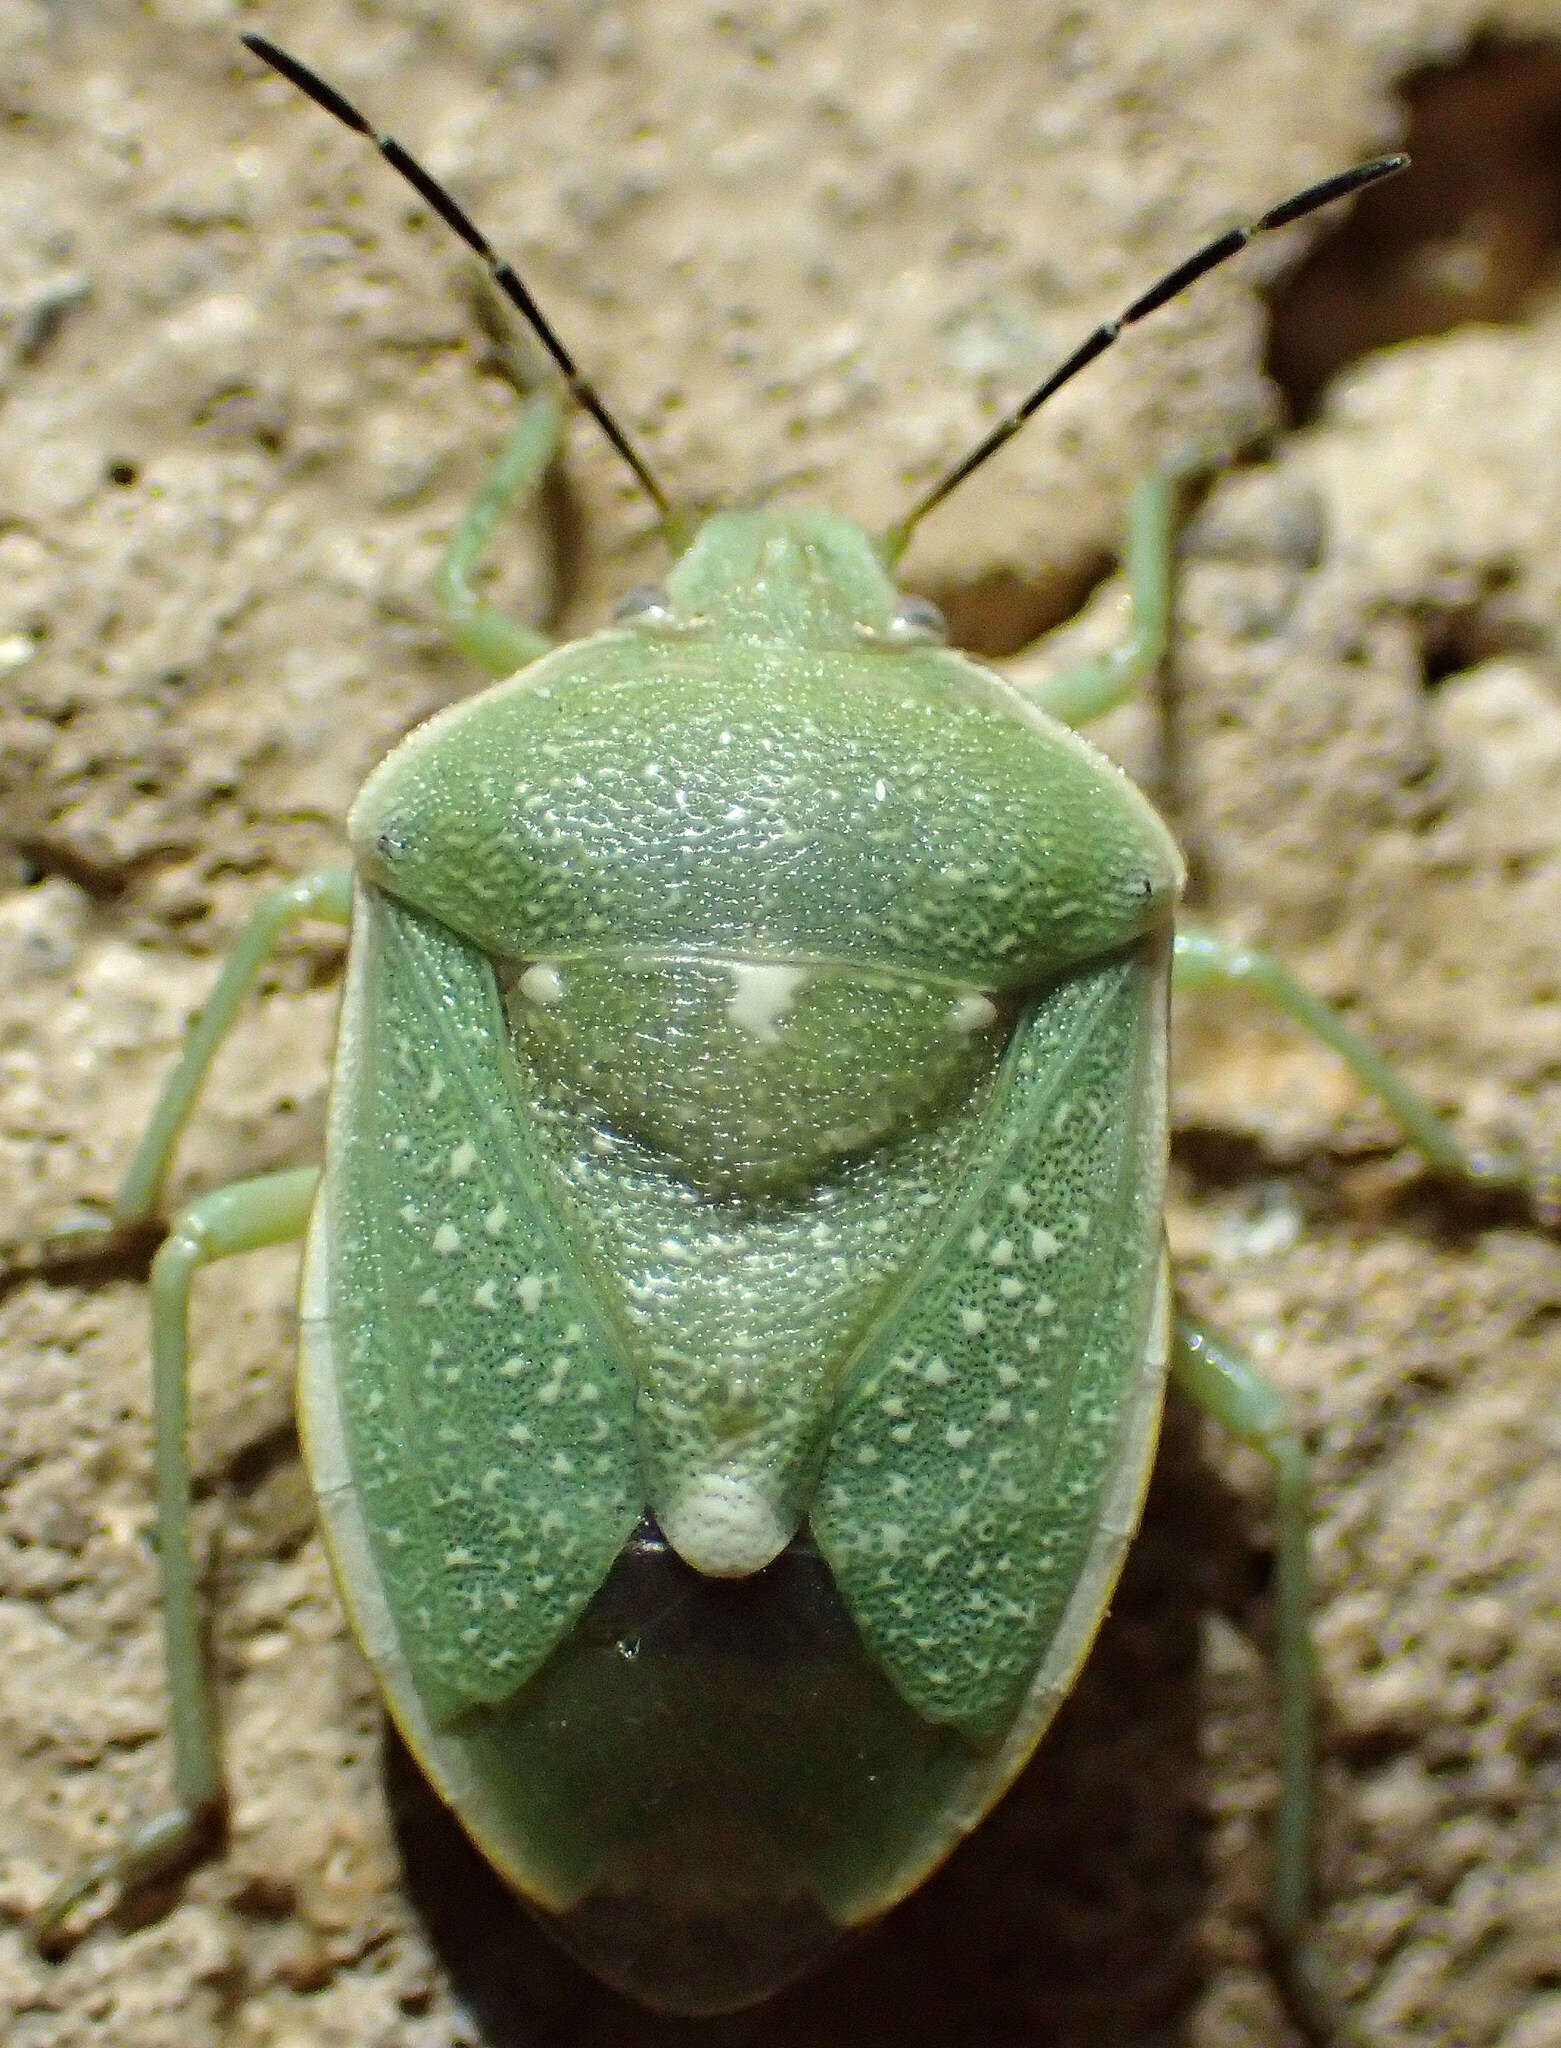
[243, 1217]
[1202, 960]
[325, 893]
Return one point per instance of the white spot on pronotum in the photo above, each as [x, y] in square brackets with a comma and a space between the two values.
[761, 995]
[495, 1220]
[542, 983]
[528, 1292]
[462, 1160]
[723, 1524]
[447, 1240]
[972, 1321]
[1043, 1245]
[972, 1012]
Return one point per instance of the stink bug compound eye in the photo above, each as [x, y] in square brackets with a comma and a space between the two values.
[736, 1278]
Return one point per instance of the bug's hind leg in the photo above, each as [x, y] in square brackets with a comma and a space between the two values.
[1224, 1385]
[490, 636]
[242, 1217]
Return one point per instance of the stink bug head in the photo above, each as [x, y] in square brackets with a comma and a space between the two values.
[807, 579]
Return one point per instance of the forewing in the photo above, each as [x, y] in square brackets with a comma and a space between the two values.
[487, 1413]
[983, 1419]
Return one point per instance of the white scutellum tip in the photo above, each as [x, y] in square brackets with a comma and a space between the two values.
[542, 983]
[722, 1524]
[972, 1012]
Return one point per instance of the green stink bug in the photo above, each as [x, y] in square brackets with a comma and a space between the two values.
[883, 1074]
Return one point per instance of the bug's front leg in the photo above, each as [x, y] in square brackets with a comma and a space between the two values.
[491, 637]
[243, 1217]
[1092, 688]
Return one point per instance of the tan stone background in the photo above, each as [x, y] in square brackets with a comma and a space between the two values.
[814, 247]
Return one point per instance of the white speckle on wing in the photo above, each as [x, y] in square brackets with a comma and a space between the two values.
[761, 995]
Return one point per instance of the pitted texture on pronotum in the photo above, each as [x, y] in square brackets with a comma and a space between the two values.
[662, 793]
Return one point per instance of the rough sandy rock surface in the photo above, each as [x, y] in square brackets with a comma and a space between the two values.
[814, 249]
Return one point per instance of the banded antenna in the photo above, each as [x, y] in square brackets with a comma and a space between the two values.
[1174, 282]
[894, 543]
[455, 216]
